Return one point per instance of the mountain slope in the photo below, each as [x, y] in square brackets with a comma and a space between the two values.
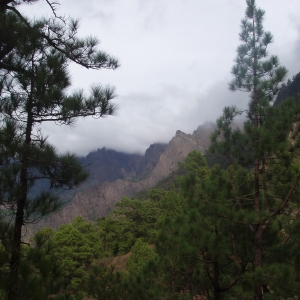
[96, 198]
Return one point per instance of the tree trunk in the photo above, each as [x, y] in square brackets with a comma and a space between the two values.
[258, 227]
[173, 282]
[14, 291]
[258, 260]
[15, 258]
[217, 294]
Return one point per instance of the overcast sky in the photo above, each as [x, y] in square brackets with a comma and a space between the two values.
[176, 57]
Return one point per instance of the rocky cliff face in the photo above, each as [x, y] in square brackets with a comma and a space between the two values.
[114, 175]
[178, 149]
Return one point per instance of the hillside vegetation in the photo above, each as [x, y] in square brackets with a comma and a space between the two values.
[175, 243]
[220, 226]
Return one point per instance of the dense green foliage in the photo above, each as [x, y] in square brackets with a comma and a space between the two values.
[265, 148]
[34, 79]
[202, 245]
[290, 89]
[141, 254]
[223, 229]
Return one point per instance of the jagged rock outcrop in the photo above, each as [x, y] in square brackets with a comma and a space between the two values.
[178, 149]
[95, 199]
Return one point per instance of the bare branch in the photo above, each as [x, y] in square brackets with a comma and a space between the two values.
[53, 7]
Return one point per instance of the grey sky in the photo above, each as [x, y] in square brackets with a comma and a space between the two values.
[176, 57]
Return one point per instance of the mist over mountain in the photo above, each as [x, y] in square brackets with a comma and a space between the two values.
[114, 175]
[109, 165]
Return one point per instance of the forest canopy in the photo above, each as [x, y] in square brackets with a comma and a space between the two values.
[217, 232]
[34, 83]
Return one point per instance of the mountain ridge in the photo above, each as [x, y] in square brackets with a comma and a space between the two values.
[114, 175]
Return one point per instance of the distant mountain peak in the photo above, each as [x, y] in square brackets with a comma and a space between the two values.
[114, 175]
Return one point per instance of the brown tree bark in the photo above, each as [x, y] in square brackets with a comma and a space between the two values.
[14, 288]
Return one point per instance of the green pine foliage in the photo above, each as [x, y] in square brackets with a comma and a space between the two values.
[105, 284]
[141, 254]
[265, 149]
[209, 231]
[290, 89]
[203, 245]
[34, 79]
[75, 252]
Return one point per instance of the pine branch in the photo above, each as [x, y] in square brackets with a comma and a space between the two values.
[287, 198]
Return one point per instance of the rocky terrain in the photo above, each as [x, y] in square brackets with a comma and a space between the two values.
[114, 175]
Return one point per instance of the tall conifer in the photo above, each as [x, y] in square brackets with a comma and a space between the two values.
[263, 146]
[34, 80]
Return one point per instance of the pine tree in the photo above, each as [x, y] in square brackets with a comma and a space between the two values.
[263, 146]
[200, 253]
[141, 254]
[291, 89]
[58, 32]
[33, 89]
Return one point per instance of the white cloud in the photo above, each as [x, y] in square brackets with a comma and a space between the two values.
[176, 58]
